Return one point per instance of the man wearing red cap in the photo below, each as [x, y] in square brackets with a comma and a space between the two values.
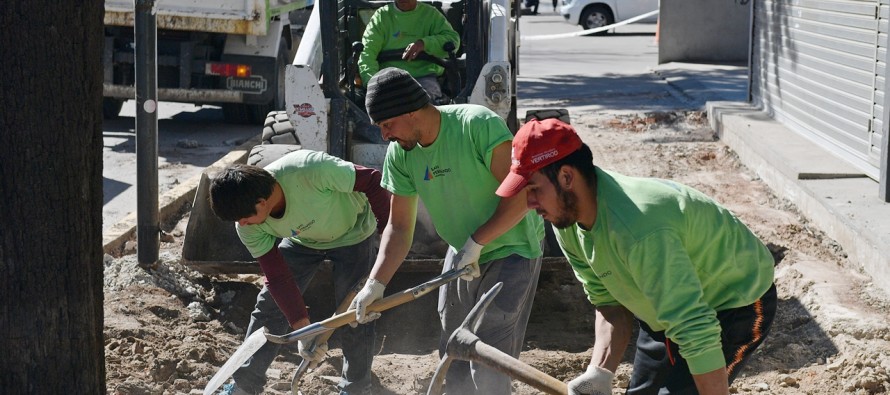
[697, 280]
[453, 158]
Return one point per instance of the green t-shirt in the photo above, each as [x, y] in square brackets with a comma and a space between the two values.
[391, 28]
[453, 178]
[322, 211]
[670, 255]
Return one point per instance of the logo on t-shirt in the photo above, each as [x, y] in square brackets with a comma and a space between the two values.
[301, 229]
[396, 34]
[427, 175]
[435, 171]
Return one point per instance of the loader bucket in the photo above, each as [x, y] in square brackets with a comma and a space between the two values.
[211, 245]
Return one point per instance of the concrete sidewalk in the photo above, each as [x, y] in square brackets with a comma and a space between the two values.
[171, 203]
[835, 196]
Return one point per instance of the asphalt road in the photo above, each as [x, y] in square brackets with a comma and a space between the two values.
[595, 73]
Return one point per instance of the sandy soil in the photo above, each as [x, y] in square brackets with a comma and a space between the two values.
[169, 329]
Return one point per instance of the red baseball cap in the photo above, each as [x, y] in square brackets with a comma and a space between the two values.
[536, 145]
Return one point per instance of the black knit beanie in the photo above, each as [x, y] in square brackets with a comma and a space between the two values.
[393, 92]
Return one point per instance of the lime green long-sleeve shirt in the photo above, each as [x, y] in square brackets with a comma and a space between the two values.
[391, 28]
[670, 255]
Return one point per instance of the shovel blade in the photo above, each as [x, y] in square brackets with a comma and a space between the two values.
[250, 346]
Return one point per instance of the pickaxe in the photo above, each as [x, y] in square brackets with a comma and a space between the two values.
[464, 345]
[260, 336]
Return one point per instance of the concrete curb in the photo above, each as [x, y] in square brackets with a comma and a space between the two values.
[171, 202]
[844, 206]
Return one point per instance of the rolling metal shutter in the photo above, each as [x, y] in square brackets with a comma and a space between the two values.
[818, 67]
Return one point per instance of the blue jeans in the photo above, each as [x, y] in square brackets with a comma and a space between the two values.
[503, 326]
[351, 265]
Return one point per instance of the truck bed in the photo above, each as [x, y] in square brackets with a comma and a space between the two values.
[249, 17]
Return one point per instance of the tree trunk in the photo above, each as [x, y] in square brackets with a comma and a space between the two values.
[51, 208]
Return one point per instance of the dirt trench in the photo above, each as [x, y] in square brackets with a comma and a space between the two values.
[169, 329]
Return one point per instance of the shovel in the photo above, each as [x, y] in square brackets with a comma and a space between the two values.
[322, 338]
[261, 335]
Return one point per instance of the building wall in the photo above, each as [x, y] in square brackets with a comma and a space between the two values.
[704, 31]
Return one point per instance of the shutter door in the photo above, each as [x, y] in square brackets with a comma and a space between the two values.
[814, 68]
[877, 132]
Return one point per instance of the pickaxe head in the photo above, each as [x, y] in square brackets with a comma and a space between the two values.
[465, 345]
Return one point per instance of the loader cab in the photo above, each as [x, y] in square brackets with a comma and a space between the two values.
[482, 71]
[356, 16]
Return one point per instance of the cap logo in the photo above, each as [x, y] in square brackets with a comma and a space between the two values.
[551, 153]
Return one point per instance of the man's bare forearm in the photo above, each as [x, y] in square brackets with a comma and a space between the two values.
[614, 327]
[715, 382]
[394, 247]
[508, 213]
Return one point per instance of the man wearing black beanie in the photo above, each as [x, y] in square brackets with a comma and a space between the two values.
[454, 157]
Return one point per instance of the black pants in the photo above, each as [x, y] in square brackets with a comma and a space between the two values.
[659, 369]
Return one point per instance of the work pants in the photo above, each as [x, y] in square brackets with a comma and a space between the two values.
[351, 264]
[503, 326]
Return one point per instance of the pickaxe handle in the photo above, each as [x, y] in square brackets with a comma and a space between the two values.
[386, 303]
[497, 359]
[464, 345]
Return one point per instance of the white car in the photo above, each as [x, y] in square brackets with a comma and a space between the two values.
[591, 14]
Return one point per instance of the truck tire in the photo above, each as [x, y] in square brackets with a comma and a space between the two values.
[277, 129]
[111, 107]
[237, 113]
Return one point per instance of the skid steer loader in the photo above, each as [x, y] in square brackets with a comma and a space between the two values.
[325, 112]
[325, 109]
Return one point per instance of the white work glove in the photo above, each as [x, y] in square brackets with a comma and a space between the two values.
[595, 381]
[371, 292]
[314, 353]
[469, 256]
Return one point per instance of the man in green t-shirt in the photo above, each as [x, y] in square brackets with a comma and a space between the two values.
[697, 280]
[321, 208]
[415, 28]
[453, 158]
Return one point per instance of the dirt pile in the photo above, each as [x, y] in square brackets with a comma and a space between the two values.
[169, 329]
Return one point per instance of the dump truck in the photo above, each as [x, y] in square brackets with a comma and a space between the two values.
[230, 53]
[324, 111]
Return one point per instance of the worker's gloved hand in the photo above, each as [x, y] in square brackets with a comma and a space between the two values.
[595, 381]
[469, 256]
[372, 291]
[314, 353]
